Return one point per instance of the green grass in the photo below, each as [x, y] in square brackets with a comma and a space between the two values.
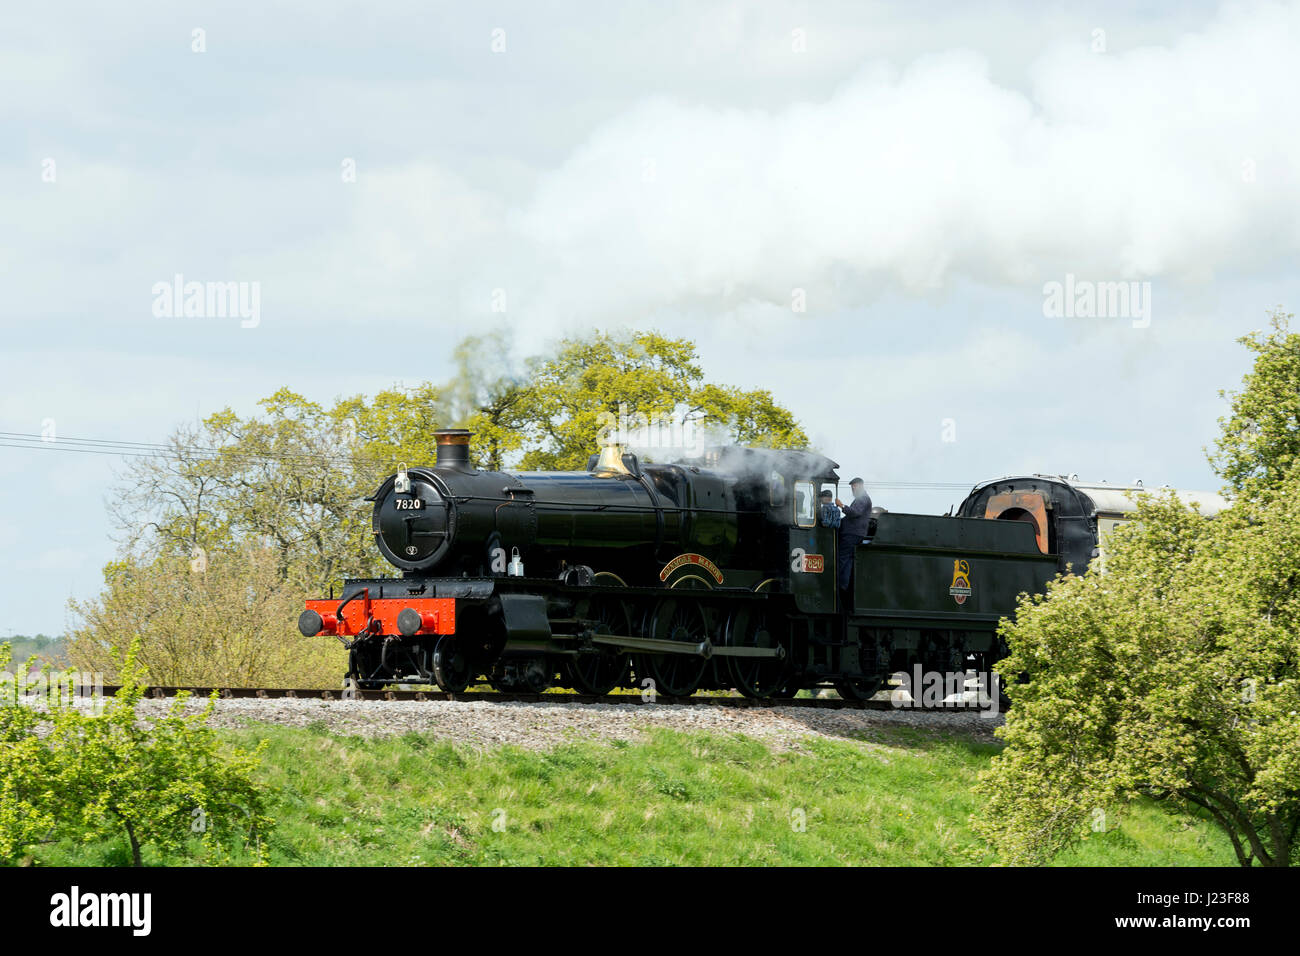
[902, 798]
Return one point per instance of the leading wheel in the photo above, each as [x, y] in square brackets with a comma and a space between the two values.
[359, 672]
[450, 666]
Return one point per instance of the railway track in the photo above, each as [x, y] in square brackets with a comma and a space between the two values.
[816, 703]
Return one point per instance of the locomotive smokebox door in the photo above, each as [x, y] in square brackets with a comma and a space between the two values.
[812, 553]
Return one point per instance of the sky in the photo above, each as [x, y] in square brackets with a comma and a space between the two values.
[862, 207]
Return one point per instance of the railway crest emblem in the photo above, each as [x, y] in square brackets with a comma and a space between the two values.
[960, 588]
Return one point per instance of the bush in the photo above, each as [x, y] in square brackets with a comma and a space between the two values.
[165, 783]
[230, 621]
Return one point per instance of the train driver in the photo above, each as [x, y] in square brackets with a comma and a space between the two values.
[854, 528]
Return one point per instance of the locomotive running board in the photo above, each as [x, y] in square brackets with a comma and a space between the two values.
[705, 649]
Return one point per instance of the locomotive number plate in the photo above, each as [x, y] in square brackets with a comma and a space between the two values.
[408, 504]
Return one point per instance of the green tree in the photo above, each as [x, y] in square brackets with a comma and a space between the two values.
[160, 782]
[747, 418]
[606, 379]
[1260, 439]
[156, 785]
[27, 789]
[292, 479]
[394, 428]
[1173, 675]
[294, 476]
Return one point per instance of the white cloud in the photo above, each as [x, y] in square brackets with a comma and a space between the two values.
[1124, 164]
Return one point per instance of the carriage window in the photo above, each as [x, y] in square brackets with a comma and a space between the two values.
[805, 504]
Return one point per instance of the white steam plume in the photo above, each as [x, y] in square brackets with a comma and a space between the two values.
[1175, 161]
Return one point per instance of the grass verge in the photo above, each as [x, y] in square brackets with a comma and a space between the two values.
[904, 798]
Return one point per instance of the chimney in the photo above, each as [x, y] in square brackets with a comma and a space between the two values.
[453, 448]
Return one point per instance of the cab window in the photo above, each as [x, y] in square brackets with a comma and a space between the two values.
[776, 489]
[805, 504]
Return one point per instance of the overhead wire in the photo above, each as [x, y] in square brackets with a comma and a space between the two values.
[136, 449]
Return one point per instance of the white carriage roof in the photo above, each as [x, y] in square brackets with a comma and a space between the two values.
[1118, 499]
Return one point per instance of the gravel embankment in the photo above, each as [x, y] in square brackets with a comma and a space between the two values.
[482, 724]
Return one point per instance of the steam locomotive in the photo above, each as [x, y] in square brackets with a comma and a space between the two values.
[711, 573]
